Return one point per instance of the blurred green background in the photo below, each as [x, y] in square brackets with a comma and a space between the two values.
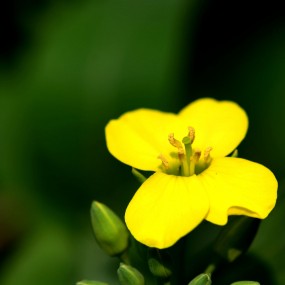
[68, 67]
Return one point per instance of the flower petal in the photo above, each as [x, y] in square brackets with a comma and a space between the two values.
[237, 186]
[219, 124]
[138, 137]
[165, 208]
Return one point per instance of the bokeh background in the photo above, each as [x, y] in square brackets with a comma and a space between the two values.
[68, 67]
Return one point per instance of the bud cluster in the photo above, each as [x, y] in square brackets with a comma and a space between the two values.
[114, 239]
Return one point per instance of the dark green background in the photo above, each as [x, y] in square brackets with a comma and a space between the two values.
[68, 67]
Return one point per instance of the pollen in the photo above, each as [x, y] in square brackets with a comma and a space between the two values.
[176, 143]
[191, 134]
[207, 157]
[197, 155]
[164, 161]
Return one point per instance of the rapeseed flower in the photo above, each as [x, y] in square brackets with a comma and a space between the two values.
[193, 178]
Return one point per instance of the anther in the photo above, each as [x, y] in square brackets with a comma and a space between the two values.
[191, 134]
[176, 143]
[207, 156]
[197, 155]
[164, 161]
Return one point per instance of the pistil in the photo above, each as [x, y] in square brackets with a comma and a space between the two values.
[188, 154]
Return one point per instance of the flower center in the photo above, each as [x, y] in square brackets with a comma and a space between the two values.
[190, 161]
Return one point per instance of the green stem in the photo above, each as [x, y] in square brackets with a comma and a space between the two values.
[124, 257]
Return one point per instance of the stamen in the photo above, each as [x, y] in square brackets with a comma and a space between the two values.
[188, 153]
[181, 155]
[197, 155]
[193, 160]
[207, 157]
[176, 144]
[191, 134]
[164, 161]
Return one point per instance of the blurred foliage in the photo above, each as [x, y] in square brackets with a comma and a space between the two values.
[67, 67]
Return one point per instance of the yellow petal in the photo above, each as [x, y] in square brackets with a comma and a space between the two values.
[138, 137]
[237, 186]
[165, 208]
[219, 124]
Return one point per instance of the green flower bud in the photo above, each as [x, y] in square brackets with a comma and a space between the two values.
[202, 279]
[90, 282]
[159, 263]
[128, 275]
[110, 232]
[236, 237]
[246, 283]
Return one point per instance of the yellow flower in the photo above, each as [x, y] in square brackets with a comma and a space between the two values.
[193, 179]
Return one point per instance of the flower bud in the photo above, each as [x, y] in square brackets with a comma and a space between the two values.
[159, 263]
[246, 283]
[90, 282]
[110, 232]
[128, 275]
[202, 279]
